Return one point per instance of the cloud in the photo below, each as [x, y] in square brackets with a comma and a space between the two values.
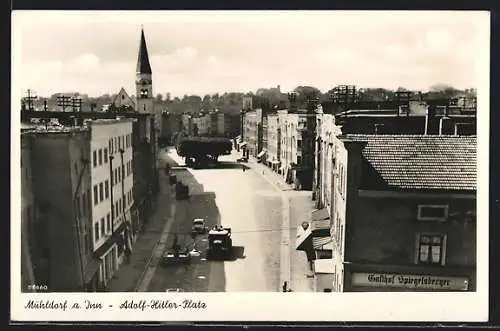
[215, 52]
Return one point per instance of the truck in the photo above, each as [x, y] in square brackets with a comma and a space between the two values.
[220, 243]
[202, 151]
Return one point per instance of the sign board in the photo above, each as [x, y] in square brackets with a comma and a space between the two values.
[417, 282]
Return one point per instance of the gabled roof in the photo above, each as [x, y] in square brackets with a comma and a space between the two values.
[123, 92]
[143, 65]
[417, 162]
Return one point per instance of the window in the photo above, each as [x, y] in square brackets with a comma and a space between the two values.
[116, 209]
[101, 192]
[95, 158]
[102, 227]
[299, 144]
[108, 223]
[123, 97]
[432, 212]
[119, 174]
[431, 249]
[299, 159]
[123, 171]
[76, 169]
[106, 189]
[96, 197]
[110, 146]
[120, 204]
[112, 179]
[96, 231]
[100, 156]
[105, 155]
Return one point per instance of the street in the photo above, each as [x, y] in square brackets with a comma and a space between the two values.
[247, 203]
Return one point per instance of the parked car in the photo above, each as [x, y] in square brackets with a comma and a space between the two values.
[171, 257]
[242, 159]
[174, 290]
[199, 226]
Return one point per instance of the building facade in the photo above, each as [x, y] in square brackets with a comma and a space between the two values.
[61, 233]
[28, 217]
[112, 193]
[416, 230]
[273, 140]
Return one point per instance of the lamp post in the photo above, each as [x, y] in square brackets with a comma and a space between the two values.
[124, 204]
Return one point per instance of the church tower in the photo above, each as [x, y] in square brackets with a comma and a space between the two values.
[144, 80]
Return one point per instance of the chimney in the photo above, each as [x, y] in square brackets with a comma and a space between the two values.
[442, 119]
[292, 98]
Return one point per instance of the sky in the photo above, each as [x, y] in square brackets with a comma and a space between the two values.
[215, 52]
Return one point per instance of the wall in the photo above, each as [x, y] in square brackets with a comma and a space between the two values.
[110, 136]
[385, 231]
[338, 209]
[53, 189]
[28, 216]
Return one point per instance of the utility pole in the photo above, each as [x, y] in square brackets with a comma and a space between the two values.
[64, 101]
[29, 99]
[76, 102]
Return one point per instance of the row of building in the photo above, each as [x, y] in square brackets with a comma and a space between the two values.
[204, 123]
[394, 191]
[88, 184]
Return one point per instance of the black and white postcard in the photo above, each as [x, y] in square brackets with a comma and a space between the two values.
[250, 166]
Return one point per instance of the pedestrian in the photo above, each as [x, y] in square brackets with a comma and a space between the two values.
[243, 168]
[285, 285]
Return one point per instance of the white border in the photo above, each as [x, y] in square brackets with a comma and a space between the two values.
[466, 307]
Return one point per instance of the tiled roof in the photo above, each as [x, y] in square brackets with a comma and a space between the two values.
[419, 162]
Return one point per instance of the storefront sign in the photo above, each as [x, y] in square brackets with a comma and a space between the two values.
[419, 282]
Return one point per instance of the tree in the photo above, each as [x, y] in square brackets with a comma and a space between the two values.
[159, 97]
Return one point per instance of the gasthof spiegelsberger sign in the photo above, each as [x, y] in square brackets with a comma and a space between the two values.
[418, 282]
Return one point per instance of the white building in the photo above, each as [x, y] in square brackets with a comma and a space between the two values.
[112, 195]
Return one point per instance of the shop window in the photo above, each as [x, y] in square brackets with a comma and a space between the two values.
[431, 249]
[432, 212]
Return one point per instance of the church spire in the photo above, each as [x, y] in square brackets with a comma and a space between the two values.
[143, 66]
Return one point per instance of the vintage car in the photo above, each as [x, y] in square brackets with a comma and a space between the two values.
[198, 226]
[172, 257]
[174, 290]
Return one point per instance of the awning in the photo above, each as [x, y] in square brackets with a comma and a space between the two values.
[322, 243]
[323, 266]
[261, 154]
[90, 269]
[275, 162]
[243, 144]
[303, 238]
[320, 214]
